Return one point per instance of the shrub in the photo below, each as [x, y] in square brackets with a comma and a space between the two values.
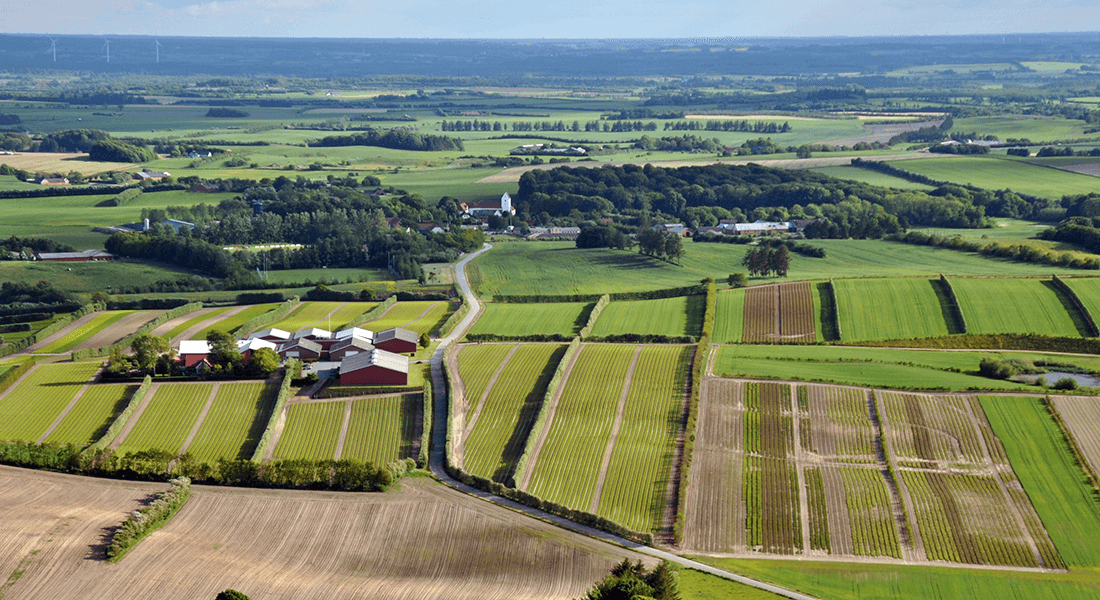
[738, 280]
[1065, 383]
[231, 595]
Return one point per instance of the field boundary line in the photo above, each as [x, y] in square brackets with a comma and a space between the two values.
[134, 418]
[276, 433]
[458, 447]
[551, 411]
[616, 427]
[423, 314]
[343, 431]
[328, 317]
[488, 389]
[673, 491]
[910, 540]
[799, 469]
[198, 423]
[60, 333]
[72, 404]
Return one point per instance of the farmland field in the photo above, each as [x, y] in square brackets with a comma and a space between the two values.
[419, 316]
[307, 314]
[779, 313]
[235, 321]
[494, 439]
[28, 410]
[1013, 306]
[382, 430]
[998, 173]
[476, 366]
[176, 327]
[168, 418]
[312, 431]
[888, 309]
[92, 414]
[80, 334]
[235, 422]
[682, 315]
[873, 177]
[1081, 416]
[729, 316]
[1088, 291]
[546, 318]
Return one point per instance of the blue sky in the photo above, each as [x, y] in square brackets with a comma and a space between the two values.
[545, 18]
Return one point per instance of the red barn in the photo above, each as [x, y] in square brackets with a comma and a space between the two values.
[193, 352]
[349, 347]
[397, 340]
[300, 348]
[376, 367]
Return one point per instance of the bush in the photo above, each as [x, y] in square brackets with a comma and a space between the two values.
[231, 595]
[738, 280]
[1065, 383]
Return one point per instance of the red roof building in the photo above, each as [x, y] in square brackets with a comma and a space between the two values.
[397, 340]
[376, 367]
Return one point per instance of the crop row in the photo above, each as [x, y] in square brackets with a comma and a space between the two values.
[819, 520]
[188, 324]
[847, 409]
[81, 334]
[419, 316]
[233, 322]
[772, 505]
[235, 422]
[761, 321]
[676, 316]
[476, 366]
[796, 313]
[870, 513]
[168, 418]
[29, 410]
[92, 414]
[930, 428]
[546, 318]
[382, 430]
[312, 431]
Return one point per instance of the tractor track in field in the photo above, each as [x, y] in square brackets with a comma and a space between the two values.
[616, 427]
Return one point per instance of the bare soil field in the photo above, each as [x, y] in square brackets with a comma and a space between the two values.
[422, 540]
[1082, 417]
[62, 162]
[119, 329]
[882, 132]
[1084, 169]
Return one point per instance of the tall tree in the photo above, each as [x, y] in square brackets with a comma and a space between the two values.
[147, 349]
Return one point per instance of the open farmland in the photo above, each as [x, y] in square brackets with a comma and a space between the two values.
[729, 316]
[998, 173]
[536, 318]
[228, 323]
[499, 421]
[78, 333]
[235, 422]
[28, 410]
[312, 431]
[1014, 306]
[170, 413]
[889, 309]
[325, 315]
[1081, 418]
[1087, 291]
[382, 430]
[335, 545]
[793, 469]
[682, 315]
[92, 414]
[419, 316]
[781, 313]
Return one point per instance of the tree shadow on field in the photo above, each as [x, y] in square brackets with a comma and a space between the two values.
[97, 552]
[628, 260]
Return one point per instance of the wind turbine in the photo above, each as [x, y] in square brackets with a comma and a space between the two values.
[157, 42]
[107, 45]
[53, 48]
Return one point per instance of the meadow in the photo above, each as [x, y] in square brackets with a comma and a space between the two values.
[90, 277]
[1013, 306]
[682, 315]
[545, 318]
[998, 173]
[888, 309]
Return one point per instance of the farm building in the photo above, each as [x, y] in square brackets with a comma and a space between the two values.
[55, 181]
[272, 335]
[491, 207]
[312, 333]
[376, 367]
[193, 352]
[351, 332]
[349, 347]
[300, 348]
[247, 347]
[151, 175]
[176, 225]
[396, 340]
[85, 256]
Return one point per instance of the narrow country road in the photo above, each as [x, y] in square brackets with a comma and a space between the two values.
[439, 445]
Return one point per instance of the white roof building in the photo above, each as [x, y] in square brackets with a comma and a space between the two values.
[354, 332]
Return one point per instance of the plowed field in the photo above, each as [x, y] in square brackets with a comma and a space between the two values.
[782, 313]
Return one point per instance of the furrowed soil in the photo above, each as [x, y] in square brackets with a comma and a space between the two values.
[421, 540]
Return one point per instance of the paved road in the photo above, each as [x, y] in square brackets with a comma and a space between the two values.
[439, 443]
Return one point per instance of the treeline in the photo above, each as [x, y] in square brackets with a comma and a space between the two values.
[395, 139]
[1015, 252]
[226, 113]
[182, 251]
[728, 125]
[19, 245]
[959, 149]
[684, 143]
[116, 151]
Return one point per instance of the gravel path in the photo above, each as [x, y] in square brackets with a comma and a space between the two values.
[343, 432]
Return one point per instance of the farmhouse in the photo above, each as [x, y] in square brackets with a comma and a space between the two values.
[300, 348]
[349, 347]
[396, 340]
[55, 181]
[151, 175]
[247, 347]
[85, 256]
[272, 335]
[376, 367]
[489, 208]
[193, 352]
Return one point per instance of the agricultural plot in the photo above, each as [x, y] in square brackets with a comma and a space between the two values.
[175, 327]
[781, 313]
[729, 316]
[307, 314]
[230, 323]
[168, 418]
[537, 318]
[86, 330]
[677, 316]
[235, 422]
[27, 411]
[382, 430]
[312, 431]
[888, 309]
[998, 173]
[1081, 418]
[92, 414]
[1087, 290]
[1013, 306]
[498, 427]
[477, 364]
[420, 316]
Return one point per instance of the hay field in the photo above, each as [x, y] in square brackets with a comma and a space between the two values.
[1013, 306]
[62, 162]
[888, 309]
[421, 540]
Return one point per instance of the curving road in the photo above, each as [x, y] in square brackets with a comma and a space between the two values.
[437, 455]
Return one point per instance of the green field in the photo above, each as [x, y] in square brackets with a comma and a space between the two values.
[235, 422]
[729, 316]
[27, 411]
[1013, 306]
[92, 414]
[1036, 128]
[677, 316]
[545, 318]
[168, 419]
[382, 430]
[873, 177]
[324, 315]
[476, 366]
[1088, 291]
[81, 334]
[231, 323]
[328, 276]
[312, 431]
[188, 324]
[998, 173]
[420, 316]
[496, 440]
[888, 309]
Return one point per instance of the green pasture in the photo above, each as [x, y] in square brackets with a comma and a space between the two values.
[1087, 290]
[10, 182]
[729, 316]
[1035, 128]
[1009, 232]
[420, 316]
[697, 585]
[1013, 306]
[28, 410]
[327, 276]
[382, 430]
[235, 422]
[879, 367]
[92, 415]
[82, 333]
[312, 431]
[998, 173]
[888, 309]
[90, 277]
[168, 418]
[457, 182]
[548, 318]
[872, 177]
[677, 316]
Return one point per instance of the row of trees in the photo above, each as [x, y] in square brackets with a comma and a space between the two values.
[397, 139]
[664, 245]
[767, 261]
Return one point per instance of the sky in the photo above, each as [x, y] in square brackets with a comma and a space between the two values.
[512, 19]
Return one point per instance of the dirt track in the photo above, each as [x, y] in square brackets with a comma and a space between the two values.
[423, 540]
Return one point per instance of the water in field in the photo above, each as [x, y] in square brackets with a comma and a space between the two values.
[1082, 379]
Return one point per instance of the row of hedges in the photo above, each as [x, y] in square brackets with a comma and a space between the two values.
[1090, 323]
[644, 338]
[292, 370]
[1001, 341]
[698, 371]
[267, 318]
[426, 425]
[711, 310]
[122, 344]
[93, 190]
[597, 310]
[50, 329]
[147, 304]
[123, 198]
[120, 421]
[348, 391]
[142, 522]
[15, 327]
[12, 376]
[954, 307]
[25, 318]
[448, 326]
[1016, 252]
[834, 315]
[544, 408]
[373, 313]
[689, 290]
[534, 337]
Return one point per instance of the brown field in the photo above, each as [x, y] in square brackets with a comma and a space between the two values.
[781, 313]
[422, 540]
[1083, 168]
[798, 469]
[1082, 416]
[62, 162]
[882, 132]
